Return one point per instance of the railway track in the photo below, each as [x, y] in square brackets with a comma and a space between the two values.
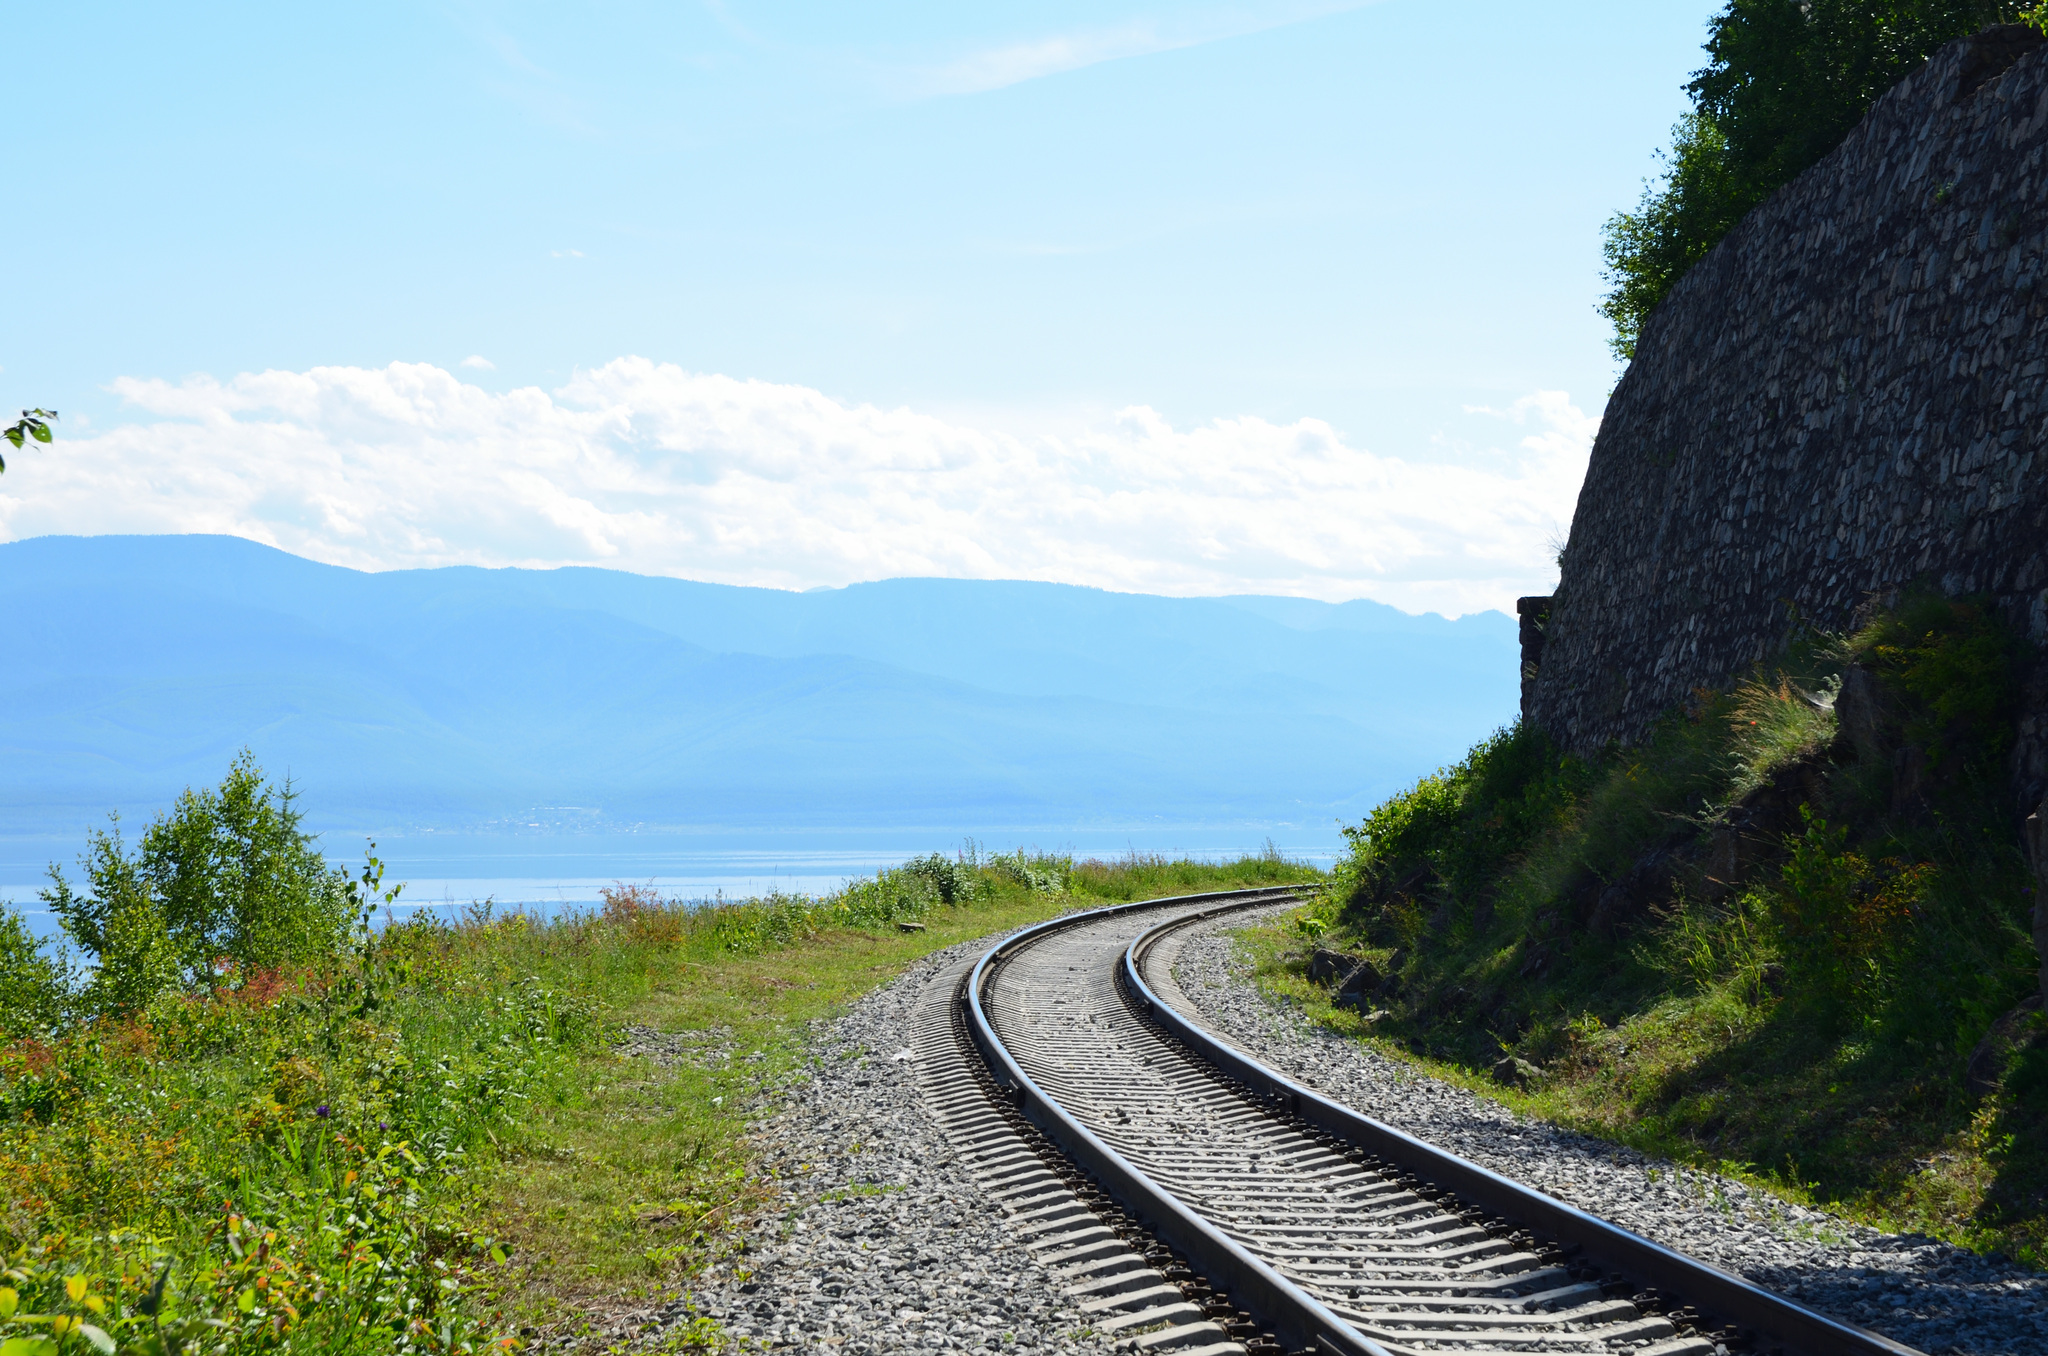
[1193, 1201]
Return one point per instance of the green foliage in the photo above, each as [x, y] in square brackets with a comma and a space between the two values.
[1774, 723]
[1840, 918]
[949, 881]
[1713, 944]
[37, 985]
[1678, 220]
[1456, 827]
[306, 1157]
[1749, 939]
[1958, 669]
[32, 425]
[1142, 875]
[341, 1140]
[1039, 874]
[227, 881]
[1785, 81]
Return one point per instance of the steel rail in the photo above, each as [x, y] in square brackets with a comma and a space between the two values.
[1651, 1264]
[1300, 1318]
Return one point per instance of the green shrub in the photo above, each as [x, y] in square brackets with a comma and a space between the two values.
[1785, 81]
[1456, 828]
[1746, 939]
[1957, 668]
[950, 880]
[225, 882]
[36, 984]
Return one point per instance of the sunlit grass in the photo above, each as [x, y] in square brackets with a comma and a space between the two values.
[433, 1143]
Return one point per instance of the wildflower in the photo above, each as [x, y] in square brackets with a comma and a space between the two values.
[322, 1112]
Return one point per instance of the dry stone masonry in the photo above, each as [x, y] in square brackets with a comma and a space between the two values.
[1844, 398]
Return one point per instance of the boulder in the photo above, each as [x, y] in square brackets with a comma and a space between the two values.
[1327, 967]
[1516, 1073]
[1358, 987]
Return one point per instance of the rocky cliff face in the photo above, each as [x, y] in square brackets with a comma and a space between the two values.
[1843, 399]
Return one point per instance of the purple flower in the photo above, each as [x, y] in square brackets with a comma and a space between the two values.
[382, 1126]
[322, 1112]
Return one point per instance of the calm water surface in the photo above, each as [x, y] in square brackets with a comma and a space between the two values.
[548, 873]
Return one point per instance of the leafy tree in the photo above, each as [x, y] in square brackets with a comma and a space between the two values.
[32, 424]
[1650, 249]
[226, 881]
[1785, 81]
[35, 984]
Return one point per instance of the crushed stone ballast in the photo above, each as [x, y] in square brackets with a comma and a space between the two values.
[1188, 1198]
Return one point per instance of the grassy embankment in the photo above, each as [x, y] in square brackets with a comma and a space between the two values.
[1788, 938]
[420, 1138]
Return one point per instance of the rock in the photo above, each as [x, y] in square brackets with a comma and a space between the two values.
[1516, 1073]
[1987, 1062]
[1360, 985]
[1751, 832]
[1327, 967]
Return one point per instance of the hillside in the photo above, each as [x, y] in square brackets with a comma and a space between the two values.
[464, 696]
[1760, 879]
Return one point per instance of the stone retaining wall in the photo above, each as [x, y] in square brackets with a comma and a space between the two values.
[1844, 398]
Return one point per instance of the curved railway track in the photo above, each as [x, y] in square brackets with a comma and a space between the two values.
[1194, 1201]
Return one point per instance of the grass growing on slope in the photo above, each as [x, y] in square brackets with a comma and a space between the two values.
[1788, 936]
[427, 1139]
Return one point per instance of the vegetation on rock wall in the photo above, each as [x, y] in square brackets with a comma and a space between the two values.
[1784, 82]
[1788, 935]
[273, 1131]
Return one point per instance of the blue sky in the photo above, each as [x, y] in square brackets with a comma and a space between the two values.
[1015, 220]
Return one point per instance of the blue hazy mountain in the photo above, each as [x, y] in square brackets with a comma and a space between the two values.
[138, 665]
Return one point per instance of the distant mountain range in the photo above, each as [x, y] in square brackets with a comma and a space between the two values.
[468, 697]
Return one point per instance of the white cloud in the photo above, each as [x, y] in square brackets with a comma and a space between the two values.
[479, 362]
[650, 468]
[566, 254]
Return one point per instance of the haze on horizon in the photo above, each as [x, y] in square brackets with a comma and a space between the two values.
[1193, 298]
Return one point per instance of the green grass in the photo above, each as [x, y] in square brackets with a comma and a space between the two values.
[1750, 944]
[432, 1144]
[1716, 1081]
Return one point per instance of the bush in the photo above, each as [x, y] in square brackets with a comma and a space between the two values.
[225, 883]
[1957, 669]
[37, 985]
[1456, 827]
[1770, 934]
[1785, 81]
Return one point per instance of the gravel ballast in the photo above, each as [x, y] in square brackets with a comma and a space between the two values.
[1913, 1289]
[881, 1241]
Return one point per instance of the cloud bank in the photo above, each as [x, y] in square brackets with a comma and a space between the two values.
[646, 467]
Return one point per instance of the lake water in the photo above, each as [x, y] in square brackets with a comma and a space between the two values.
[546, 873]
